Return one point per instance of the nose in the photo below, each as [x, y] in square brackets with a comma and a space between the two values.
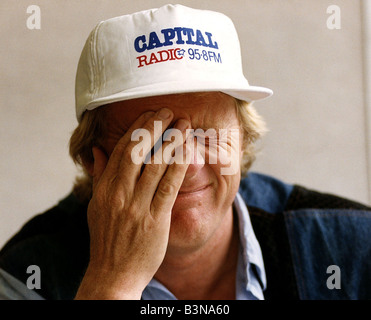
[197, 161]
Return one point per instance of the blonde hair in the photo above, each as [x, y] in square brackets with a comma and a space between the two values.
[91, 129]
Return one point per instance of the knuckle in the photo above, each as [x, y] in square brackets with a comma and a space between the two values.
[134, 206]
[116, 201]
[166, 188]
[153, 169]
[131, 213]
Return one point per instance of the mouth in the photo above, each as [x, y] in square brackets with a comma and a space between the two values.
[185, 191]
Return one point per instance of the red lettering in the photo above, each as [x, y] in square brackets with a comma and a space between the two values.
[162, 57]
[153, 59]
[175, 54]
[142, 61]
[171, 51]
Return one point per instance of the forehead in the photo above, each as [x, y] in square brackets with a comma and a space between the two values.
[203, 108]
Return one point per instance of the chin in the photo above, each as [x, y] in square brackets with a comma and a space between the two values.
[190, 227]
[196, 216]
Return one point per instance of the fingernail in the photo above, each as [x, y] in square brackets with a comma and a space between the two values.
[164, 113]
[181, 124]
[148, 115]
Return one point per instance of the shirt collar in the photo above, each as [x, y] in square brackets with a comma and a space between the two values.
[250, 252]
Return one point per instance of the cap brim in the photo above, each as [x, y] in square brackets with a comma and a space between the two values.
[247, 93]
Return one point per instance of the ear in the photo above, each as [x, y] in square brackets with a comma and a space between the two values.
[91, 166]
[88, 166]
[96, 167]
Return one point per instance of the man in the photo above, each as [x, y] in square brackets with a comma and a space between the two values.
[166, 130]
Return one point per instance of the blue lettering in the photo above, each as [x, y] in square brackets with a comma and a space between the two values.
[218, 58]
[136, 44]
[189, 32]
[154, 41]
[168, 35]
[178, 35]
[211, 45]
[200, 41]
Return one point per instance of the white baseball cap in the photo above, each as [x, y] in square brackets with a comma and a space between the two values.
[173, 49]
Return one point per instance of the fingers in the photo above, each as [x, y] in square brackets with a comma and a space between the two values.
[150, 133]
[157, 186]
[168, 188]
[171, 152]
[125, 163]
[120, 148]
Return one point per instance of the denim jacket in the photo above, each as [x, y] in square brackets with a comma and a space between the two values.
[314, 245]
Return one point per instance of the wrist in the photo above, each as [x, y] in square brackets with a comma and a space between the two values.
[100, 285]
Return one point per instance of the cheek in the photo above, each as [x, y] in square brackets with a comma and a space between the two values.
[225, 153]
